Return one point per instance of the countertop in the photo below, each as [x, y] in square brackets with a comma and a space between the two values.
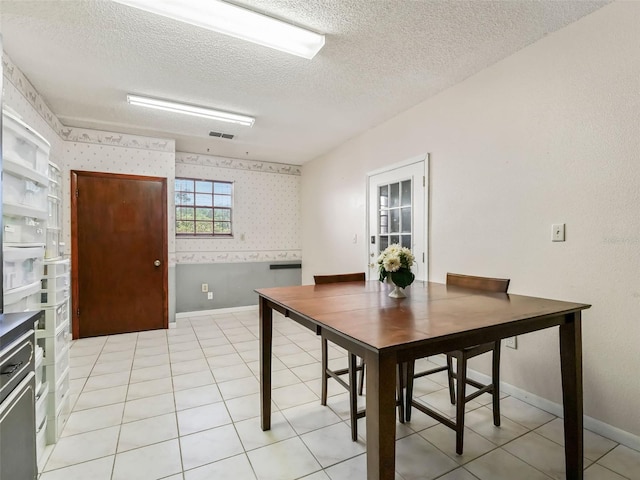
[12, 325]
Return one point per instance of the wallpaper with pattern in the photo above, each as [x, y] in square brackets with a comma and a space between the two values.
[266, 195]
[266, 214]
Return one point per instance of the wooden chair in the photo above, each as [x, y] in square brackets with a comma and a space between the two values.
[497, 285]
[353, 366]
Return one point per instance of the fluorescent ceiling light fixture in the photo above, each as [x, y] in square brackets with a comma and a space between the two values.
[193, 110]
[237, 22]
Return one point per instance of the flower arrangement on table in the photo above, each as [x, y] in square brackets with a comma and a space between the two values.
[395, 264]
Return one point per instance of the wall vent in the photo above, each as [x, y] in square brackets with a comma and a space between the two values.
[221, 135]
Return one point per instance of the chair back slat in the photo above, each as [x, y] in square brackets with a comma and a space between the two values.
[343, 277]
[478, 283]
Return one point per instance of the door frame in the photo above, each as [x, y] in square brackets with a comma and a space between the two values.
[424, 158]
[75, 286]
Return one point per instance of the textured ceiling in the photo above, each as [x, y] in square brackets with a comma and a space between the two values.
[380, 58]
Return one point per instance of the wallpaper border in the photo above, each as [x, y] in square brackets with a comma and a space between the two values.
[226, 162]
[237, 257]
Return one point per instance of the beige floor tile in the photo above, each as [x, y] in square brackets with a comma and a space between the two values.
[99, 469]
[624, 461]
[474, 444]
[332, 444]
[202, 418]
[195, 397]
[148, 463]
[209, 446]
[541, 453]
[186, 355]
[192, 380]
[100, 398]
[83, 447]
[286, 460]
[115, 357]
[458, 474]
[418, 459]
[150, 373]
[226, 360]
[231, 372]
[501, 465]
[151, 351]
[233, 468]
[595, 446]
[239, 388]
[292, 395]
[148, 431]
[148, 407]
[217, 350]
[243, 408]
[297, 359]
[598, 472]
[93, 419]
[190, 366]
[252, 436]
[112, 367]
[310, 416]
[97, 382]
[481, 421]
[149, 388]
[523, 413]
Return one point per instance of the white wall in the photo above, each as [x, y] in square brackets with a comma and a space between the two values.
[548, 135]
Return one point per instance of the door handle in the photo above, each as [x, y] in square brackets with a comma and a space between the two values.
[12, 368]
[156, 263]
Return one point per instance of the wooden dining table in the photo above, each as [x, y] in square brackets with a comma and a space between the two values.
[433, 319]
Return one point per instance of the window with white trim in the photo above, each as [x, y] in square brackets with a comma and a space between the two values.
[203, 207]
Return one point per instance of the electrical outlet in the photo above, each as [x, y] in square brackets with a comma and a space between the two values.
[210, 296]
[205, 287]
[511, 342]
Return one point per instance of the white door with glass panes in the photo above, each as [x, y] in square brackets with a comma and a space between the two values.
[397, 213]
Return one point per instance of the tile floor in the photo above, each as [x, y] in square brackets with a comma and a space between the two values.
[182, 404]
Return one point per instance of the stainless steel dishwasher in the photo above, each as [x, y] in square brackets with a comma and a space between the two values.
[17, 405]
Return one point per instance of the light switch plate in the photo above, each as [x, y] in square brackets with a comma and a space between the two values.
[557, 232]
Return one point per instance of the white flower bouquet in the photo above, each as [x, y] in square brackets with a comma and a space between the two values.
[395, 262]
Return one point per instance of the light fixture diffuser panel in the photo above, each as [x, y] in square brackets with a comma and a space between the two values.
[193, 110]
[237, 22]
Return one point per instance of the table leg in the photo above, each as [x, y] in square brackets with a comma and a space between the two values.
[381, 418]
[266, 333]
[571, 364]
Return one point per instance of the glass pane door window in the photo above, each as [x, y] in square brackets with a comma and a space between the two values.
[394, 214]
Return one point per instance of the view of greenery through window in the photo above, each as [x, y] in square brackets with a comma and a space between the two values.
[203, 207]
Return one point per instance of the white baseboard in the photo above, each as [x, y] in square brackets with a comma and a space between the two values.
[202, 313]
[596, 426]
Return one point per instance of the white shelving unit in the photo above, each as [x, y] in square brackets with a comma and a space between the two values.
[24, 218]
[53, 332]
[34, 274]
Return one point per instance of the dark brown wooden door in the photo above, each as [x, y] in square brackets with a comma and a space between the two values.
[119, 253]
